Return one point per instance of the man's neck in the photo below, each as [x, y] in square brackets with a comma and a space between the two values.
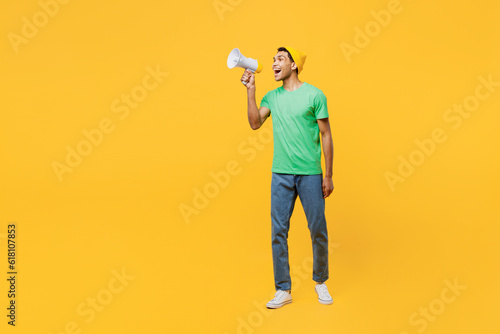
[292, 83]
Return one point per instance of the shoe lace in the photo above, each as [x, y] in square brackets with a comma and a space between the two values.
[323, 290]
[278, 295]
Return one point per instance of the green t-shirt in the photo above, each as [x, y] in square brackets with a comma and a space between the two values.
[297, 148]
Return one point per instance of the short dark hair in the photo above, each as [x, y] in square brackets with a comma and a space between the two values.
[289, 56]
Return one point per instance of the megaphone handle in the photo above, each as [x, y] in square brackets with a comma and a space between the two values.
[244, 82]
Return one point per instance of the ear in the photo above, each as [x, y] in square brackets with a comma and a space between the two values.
[294, 66]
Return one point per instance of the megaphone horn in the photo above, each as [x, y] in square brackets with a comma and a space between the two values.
[237, 59]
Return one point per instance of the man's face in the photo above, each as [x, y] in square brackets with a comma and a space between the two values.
[282, 66]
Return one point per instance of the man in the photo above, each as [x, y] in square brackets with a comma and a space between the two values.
[299, 111]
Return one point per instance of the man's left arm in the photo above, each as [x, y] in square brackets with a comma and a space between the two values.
[326, 140]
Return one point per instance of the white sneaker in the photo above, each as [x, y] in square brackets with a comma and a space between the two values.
[323, 295]
[281, 298]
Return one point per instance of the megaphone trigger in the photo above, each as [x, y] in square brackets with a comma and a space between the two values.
[247, 69]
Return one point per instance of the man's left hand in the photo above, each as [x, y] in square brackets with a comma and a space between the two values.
[327, 186]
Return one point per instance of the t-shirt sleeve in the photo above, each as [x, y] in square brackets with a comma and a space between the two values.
[320, 106]
[265, 101]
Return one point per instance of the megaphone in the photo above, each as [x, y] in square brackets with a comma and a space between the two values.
[236, 59]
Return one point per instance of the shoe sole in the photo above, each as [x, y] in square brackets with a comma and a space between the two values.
[280, 305]
[325, 302]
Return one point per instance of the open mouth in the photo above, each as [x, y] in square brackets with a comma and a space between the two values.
[277, 71]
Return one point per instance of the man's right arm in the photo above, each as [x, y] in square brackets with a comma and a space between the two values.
[256, 116]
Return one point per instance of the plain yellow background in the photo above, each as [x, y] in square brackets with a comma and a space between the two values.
[119, 210]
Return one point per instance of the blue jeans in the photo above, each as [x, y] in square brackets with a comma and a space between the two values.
[284, 191]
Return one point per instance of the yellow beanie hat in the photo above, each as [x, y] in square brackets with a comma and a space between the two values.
[298, 57]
